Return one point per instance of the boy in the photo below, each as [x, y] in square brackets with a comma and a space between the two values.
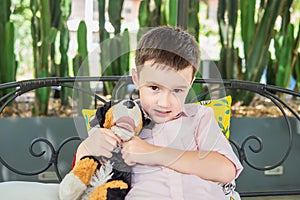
[184, 155]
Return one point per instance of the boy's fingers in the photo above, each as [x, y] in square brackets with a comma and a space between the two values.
[110, 145]
[111, 134]
[127, 159]
[104, 137]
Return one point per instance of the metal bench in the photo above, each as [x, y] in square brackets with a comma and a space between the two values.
[246, 148]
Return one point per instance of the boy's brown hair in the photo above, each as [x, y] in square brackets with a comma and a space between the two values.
[169, 46]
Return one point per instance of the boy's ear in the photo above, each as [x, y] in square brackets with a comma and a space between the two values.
[193, 80]
[135, 78]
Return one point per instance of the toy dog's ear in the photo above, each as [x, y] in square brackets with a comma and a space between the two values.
[100, 114]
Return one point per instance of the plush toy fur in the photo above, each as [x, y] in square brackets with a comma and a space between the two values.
[105, 179]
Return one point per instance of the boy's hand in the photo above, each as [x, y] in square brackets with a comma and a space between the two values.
[100, 143]
[139, 151]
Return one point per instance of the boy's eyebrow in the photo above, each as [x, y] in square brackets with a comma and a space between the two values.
[152, 83]
[177, 86]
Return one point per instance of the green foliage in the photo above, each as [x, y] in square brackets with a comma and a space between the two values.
[257, 57]
[171, 12]
[8, 64]
[284, 51]
[64, 41]
[49, 19]
[144, 11]
[20, 18]
[263, 45]
[193, 19]
[158, 15]
[114, 13]
[81, 66]
[297, 72]
[247, 16]
[257, 33]
[103, 35]
[227, 19]
[193, 29]
[296, 59]
[114, 47]
[45, 35]
[125, 52]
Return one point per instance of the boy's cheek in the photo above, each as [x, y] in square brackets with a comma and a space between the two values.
[181, 98]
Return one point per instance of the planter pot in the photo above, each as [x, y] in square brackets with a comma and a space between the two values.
[273, 133]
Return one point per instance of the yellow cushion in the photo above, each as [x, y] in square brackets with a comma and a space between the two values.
[87, 114]
[221, 109]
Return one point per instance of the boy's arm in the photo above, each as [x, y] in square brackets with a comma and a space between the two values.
[208, 165]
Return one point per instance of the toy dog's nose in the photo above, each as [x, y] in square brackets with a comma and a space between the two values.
[129, 104]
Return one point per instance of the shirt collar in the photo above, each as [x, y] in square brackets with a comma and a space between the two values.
[187, 111]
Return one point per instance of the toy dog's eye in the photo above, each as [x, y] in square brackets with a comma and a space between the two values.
[129, 104]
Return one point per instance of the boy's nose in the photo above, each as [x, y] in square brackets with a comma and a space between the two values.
[164, 100]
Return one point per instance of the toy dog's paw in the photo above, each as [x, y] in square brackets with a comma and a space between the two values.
[85, 169]
[113, 190]
[71, 187]
[76, 182]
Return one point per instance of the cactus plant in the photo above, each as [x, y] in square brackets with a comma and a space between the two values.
[55, 19]
[227, 18]
[284, 51]
[257, 59]
[42, 36]
[155, 16]
[297, 72]
[114, 47]
[64, 45]
[296, 59]
[81, 65]
[257, 36]
[193, 29]
[8, 65]
[193, 19]
[247, 16]
[171, 12]
[114, 13]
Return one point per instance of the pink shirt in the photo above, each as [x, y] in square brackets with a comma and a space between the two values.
[195, 129]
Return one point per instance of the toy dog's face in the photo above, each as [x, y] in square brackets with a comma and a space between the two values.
[125, 119]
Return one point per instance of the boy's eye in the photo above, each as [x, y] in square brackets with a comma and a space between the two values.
[154, 87]
[177, 90]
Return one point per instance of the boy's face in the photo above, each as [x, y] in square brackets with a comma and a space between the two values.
[162, 90]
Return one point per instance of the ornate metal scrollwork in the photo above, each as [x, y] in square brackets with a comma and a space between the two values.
[53, 161]
[265, 90]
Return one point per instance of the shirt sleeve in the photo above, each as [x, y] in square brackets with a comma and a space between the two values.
[209, 137]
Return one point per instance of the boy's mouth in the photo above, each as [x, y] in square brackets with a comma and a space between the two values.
[162, 112]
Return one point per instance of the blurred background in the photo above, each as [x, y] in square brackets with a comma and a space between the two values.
[255, 40]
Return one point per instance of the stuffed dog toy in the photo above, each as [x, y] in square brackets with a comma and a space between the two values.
[101, 178]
